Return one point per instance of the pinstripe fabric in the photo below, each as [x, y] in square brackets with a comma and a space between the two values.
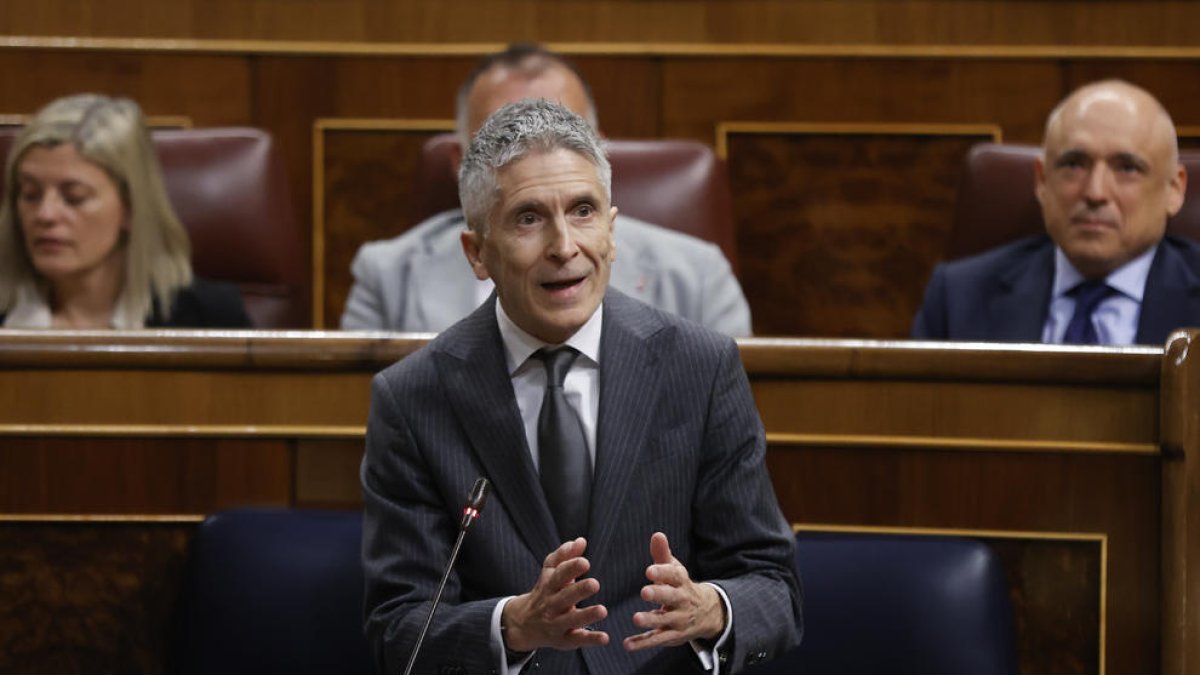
[680, 449]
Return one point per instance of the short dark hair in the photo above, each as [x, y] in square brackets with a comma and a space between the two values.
[529, 57]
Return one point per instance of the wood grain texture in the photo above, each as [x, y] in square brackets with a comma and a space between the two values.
[172, 475]
[643, 95]
[1049, 22]
[838, 233]
[89, 597]
[281, 389]
[1041, 493]
[368, 179]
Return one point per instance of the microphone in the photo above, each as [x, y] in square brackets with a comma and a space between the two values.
[475, 502]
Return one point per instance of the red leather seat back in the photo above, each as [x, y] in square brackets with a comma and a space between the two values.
[678, 184]
[229, 189]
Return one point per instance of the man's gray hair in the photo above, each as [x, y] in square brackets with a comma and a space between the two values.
[513, 132]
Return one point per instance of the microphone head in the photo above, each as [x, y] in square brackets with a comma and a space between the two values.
[475, 502]
[479, 494]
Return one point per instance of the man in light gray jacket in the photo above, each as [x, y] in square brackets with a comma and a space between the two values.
[420, 280]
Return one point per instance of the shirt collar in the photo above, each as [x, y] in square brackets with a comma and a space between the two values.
[520, 345]
[1128, 279]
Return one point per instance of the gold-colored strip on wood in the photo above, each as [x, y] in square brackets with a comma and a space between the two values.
[1103, 601]
[960, 443]
[147, 518]
[1097, 537]
[320, 127]
[382, 124]
[1100, 538]
[186, 430]
[650, 49]
[725, 129]
[318, 226]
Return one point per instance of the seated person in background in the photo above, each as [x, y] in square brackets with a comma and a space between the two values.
[419, 280]
[1108, 179]
[88, 238]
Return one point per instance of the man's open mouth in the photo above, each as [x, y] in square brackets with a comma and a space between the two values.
[562, 285]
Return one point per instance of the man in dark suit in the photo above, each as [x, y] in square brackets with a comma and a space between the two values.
[1108, 179]
[632, 526]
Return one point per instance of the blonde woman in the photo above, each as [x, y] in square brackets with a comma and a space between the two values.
[88, 238]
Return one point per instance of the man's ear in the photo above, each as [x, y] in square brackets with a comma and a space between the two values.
[1177, 188]
[472, 245]
[456, 155]
[1039, 180]
[612, 234]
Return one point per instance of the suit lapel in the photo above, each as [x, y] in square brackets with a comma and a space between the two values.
[477, 384]
[1017, 307]
[630, 381]
[1171, 299]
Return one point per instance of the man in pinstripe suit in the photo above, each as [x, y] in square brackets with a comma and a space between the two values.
[684, 564]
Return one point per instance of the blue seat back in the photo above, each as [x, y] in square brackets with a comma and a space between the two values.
[898, 604]
[273, 591]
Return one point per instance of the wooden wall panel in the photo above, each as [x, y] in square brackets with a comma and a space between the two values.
[871, 22]
[366, 175]
[838, 232]
[210, 90]
[1015, 95]
[1010, 491]
[166, 475]
[641, 93]
[1039, 443]
[93, 597]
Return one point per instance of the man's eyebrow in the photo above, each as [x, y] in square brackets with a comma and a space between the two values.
[587, 196]
[1131, 157]
[1070, 155]
[525, 205]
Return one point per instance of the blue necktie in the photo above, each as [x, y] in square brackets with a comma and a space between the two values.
[1088, 295]
[563, 460]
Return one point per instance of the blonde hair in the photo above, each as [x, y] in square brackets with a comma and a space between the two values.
[111, 133]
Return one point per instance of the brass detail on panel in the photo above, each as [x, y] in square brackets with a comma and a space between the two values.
[320, 127]
[725, 129]
[652, 49]
[194, 431]
[960, 443]
[1100, 538]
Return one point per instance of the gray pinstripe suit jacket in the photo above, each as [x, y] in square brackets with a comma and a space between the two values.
[680, 448]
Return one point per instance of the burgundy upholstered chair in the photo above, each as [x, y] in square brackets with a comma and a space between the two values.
[678, 184]
[996, 203]
[229, 188]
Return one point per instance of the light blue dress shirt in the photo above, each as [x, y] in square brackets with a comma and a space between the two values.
[1116, 317]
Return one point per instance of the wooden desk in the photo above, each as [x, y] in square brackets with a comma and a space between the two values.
[1078, 465]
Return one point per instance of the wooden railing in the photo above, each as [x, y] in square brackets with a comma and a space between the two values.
[1077, 465]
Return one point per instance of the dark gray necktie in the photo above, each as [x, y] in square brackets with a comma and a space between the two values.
[1088, 295]
[563, 460]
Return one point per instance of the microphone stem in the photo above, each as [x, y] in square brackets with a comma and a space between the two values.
[437, 598]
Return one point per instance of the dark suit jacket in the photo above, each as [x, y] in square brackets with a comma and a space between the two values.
[203, 304]
[1003, 295]
[680, 449]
